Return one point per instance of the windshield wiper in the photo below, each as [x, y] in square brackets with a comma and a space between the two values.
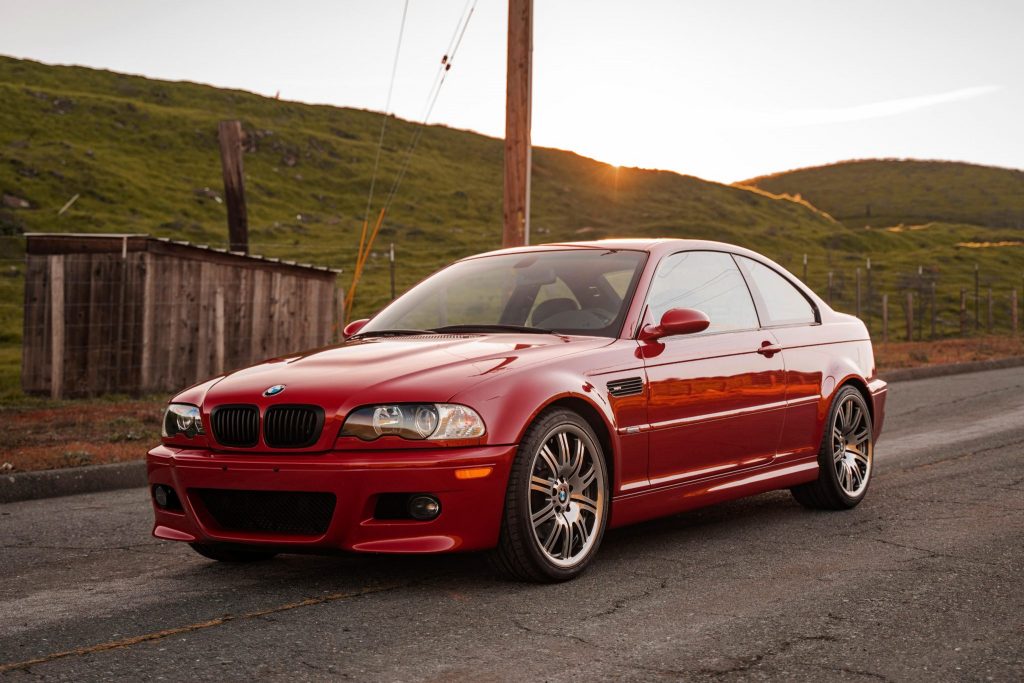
[492, 328]
[400, 332]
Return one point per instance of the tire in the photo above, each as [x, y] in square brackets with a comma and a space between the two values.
[224, 553]
[565, 490]
[846, 456]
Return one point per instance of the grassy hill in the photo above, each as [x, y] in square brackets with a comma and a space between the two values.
[887, 192]
[142, 156]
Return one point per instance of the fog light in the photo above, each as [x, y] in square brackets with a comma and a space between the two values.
[160, 495]
[424, 508]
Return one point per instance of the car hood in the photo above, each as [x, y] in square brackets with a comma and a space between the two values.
[428, 368]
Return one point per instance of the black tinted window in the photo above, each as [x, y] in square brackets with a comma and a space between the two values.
[708, 281]
[781, 302]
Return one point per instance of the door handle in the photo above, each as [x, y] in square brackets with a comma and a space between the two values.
[768, 349]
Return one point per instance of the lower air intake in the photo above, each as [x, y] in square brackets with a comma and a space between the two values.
[298, 513]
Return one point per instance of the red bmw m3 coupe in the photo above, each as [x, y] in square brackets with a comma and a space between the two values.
[521, 402]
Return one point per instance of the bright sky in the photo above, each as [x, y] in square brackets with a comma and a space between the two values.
[721, 89]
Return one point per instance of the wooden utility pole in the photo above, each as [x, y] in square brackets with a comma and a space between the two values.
[230, 135]
[518, 94]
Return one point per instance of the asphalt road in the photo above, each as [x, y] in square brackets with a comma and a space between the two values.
[923, 581]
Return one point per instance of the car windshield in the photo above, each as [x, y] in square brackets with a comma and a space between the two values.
[572, 291]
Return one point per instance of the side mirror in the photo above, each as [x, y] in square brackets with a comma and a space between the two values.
[676, 321]
[354, 327]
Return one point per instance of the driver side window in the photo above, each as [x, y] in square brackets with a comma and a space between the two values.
[708, 281]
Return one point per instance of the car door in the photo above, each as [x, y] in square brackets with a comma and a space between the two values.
[793, 319]
[716, 399]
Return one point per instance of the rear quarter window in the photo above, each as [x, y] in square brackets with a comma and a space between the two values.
[781, 303]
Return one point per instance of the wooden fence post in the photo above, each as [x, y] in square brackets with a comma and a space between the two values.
[1014, 320]
[858, 293]
[990, 311]
[218, 330]
[870, 293]
[230, 135]
[963, 312]
[910, 316]
[57, 350]
[391, 264]
[934, 314]
[885, 318]
[977, 298]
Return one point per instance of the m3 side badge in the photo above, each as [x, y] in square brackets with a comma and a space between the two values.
[274, 390]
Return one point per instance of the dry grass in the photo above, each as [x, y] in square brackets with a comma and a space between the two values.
[896, 355]
[78, 433]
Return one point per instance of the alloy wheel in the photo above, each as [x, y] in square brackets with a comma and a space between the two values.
[567, 491]
[852, 450]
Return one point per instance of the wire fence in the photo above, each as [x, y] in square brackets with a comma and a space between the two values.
[919, 304]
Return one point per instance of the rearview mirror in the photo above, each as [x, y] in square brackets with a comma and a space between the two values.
[677, 321]
[354, 327]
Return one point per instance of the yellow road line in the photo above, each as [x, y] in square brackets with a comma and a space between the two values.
[157, 635]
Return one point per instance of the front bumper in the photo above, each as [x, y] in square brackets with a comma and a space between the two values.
[471, 509]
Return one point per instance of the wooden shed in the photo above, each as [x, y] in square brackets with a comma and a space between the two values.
[136, 314]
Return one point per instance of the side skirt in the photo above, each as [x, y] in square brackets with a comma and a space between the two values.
[643, 505]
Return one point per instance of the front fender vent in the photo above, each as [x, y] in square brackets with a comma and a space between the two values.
[628, 386]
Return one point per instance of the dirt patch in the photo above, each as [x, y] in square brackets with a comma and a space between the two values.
[78, 433]
[895, 355]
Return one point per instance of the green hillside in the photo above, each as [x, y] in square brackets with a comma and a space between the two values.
[887, 192]
[142, 156]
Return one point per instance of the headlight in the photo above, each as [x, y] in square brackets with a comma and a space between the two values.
[182, 418]
[435, 421]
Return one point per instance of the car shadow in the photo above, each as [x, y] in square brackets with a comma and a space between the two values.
[641, 543]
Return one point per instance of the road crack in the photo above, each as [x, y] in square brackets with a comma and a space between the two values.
[190, 628]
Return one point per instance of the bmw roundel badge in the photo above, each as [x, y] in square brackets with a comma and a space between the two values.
[274, 390]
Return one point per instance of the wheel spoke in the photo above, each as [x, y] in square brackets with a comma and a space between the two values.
[544, 514]
[578, 456]
[567, 542]
[563, 449]
[585, 480]
[581, 530]
[549, 460]
[860, 457]
[549, 542]
[856, 477]
[855, 417]
[586, 504]
[541, 485]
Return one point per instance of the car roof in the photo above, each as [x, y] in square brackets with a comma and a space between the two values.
[653, 245]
